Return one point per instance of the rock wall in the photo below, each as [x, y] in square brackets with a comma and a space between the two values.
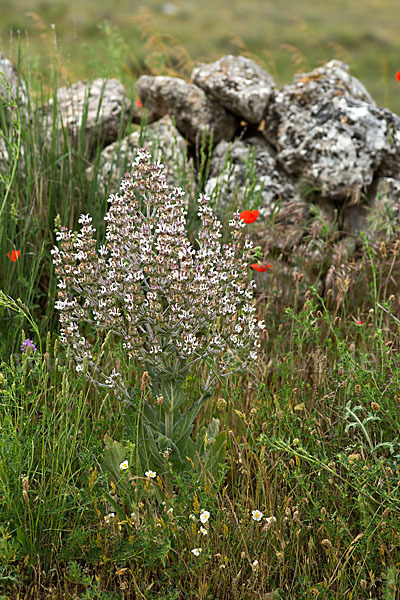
[317, 154]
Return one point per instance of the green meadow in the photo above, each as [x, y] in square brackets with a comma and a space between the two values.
[298, 489]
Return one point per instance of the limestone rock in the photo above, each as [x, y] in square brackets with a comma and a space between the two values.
[190, 106]
[239, 84]
[328, 131]
[101, 107]
[164, 142]
[245, 172]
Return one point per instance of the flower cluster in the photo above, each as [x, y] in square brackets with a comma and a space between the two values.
[258, 516]
[171, 303]
[28, 344]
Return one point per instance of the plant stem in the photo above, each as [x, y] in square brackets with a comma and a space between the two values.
[169, 424]
[169, 428]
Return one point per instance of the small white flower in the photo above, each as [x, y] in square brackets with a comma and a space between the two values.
[84, 219]
[151, 474]
[257, 515]
[254, 564]
[124, 465]
[108, 517]
[135, 518]
[269, 522]
[203, 530]
[204, 516]
[196, 551]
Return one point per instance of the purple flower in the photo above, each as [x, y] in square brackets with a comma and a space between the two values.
[28, 344]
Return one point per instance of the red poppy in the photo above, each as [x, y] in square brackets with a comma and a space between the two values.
[398, 76]
[139, 103]
[360, 322]
[249, 216]
[260, 267]
[15, 254]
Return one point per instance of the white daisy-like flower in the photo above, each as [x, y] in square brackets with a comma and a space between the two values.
[196, 551]
[124, 465]
[204, 516]
[257, 515]
[151, 474]
[203, 530]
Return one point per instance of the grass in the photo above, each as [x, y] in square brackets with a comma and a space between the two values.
[312, 428]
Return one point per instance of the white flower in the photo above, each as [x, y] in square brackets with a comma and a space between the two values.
[108, 517]
[203, 530]
[84, 219]
[269, 522]
[254, 564]
[151, 474]
[124, 465]
[257, 515]
[204, 516]
[196, 551]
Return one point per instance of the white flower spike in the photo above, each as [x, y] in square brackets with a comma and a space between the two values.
[146, 237]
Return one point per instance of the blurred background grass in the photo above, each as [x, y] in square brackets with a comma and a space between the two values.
[126, 37]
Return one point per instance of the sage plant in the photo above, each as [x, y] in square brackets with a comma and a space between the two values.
[172, 304]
